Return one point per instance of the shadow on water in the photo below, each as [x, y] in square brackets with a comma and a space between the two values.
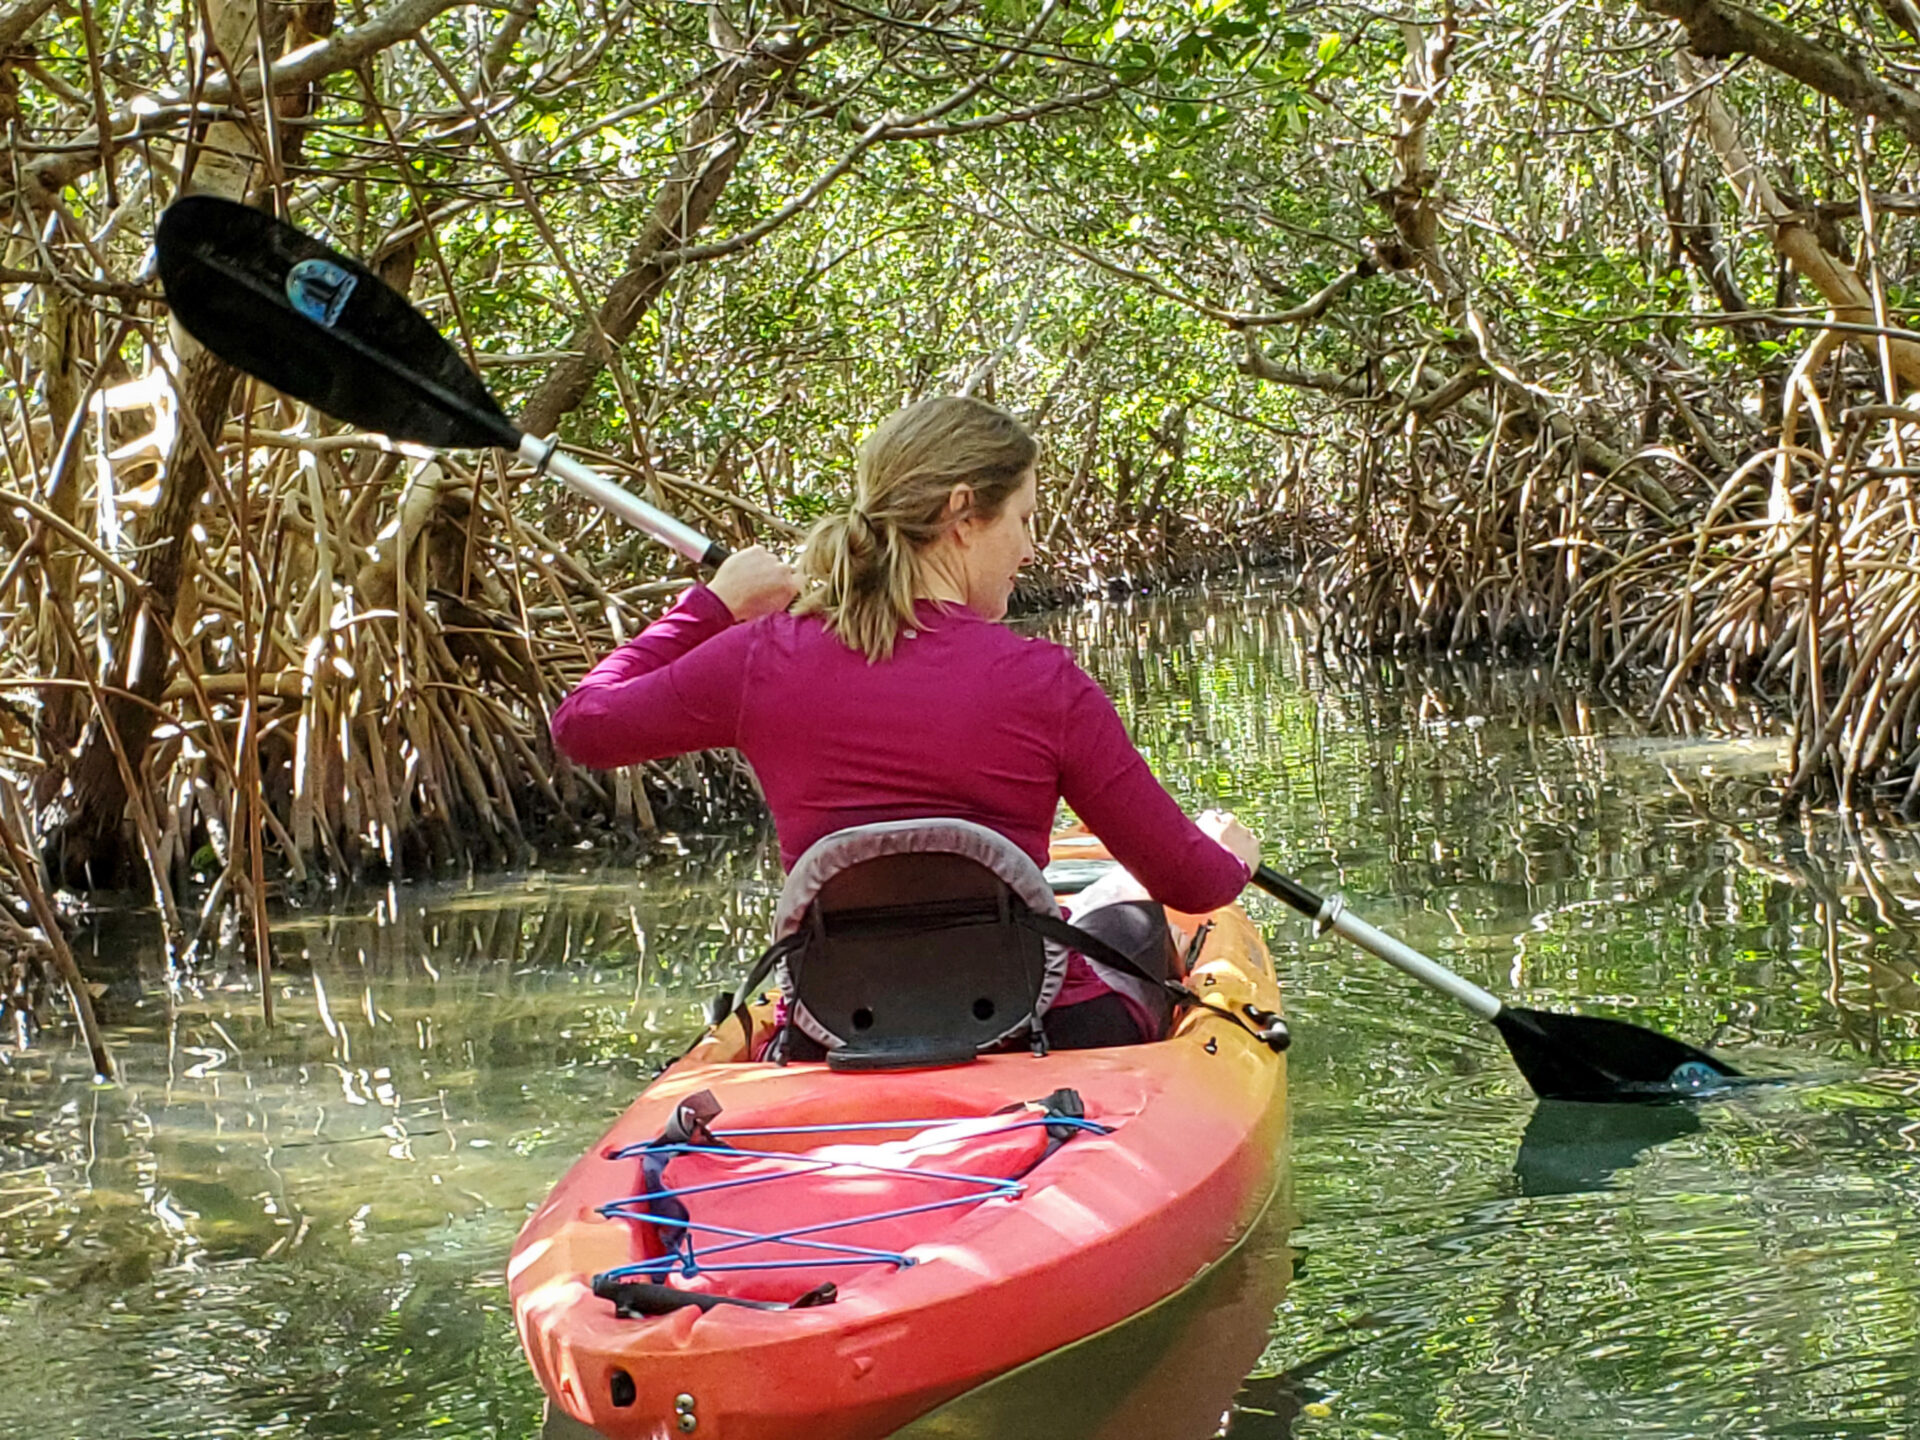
[1268, 1406]
[1569, 1148]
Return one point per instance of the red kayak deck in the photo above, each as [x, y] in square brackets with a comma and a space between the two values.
[1177, 1161]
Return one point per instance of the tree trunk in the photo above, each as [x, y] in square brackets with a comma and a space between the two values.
[84, 836]
[1793, 239]
[1719, 29]
[63, 339]
[713, 147]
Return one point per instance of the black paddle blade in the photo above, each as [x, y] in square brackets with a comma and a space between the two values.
[318, 326]
[1588, 1057]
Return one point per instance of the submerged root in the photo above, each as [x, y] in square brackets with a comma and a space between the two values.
[35, 959]
[27, 981]
[1792, 576]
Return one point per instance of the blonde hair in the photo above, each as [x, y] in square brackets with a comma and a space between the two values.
[861, 568]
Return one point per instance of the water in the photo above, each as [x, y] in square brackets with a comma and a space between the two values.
[303, 1231]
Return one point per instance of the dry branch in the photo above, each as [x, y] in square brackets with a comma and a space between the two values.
[343, 50]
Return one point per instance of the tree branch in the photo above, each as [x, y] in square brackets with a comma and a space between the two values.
[1837, 282]
[19, 18]
[700, 172]
[879, 132]
[713, 145]
[1718, 29]
[1315, 305]
[1256, 362]
[342, 50]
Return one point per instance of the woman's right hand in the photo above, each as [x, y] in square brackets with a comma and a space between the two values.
[754, 582]
[1222, 826]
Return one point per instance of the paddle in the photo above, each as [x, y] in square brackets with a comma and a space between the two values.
[1563, 1057]
[321, 327]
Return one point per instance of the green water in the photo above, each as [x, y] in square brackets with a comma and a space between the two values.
[303, 1231]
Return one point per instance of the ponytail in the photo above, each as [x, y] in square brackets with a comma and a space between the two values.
[861, 567]
[858, 574]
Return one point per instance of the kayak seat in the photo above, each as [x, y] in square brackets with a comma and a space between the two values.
[904, 944]
[918, 943]
[929, 981]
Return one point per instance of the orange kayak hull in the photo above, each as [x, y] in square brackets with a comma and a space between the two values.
[1105, 1227]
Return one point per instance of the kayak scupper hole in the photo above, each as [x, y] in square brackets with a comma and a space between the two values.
[863, 1019]
[620, 1389]
[983, 1008]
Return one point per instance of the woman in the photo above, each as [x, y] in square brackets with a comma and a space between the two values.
[889, 692]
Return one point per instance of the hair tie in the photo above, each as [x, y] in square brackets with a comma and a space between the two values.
[865, 522]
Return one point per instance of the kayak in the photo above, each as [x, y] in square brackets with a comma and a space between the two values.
[760, 1252]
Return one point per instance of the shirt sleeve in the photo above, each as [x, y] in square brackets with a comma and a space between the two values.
[1110, 787]
[674, 687]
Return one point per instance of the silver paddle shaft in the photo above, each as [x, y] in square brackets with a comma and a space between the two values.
[1335, 916]
[624, 504]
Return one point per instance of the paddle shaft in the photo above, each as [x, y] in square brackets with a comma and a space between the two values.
[1330, 913]
[546, 457]
[543, 455]
[622, 504]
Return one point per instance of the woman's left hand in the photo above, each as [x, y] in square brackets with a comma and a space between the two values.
[754, 582]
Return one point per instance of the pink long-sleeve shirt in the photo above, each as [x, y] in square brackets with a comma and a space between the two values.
[966, 719]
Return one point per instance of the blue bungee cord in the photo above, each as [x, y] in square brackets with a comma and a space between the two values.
[661, 1207]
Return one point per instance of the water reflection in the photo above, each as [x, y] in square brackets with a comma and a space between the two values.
[1567, 1147]
[301, 1232]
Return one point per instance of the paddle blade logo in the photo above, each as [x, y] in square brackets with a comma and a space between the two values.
[320, 289]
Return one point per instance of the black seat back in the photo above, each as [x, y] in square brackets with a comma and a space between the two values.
[916, 959]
